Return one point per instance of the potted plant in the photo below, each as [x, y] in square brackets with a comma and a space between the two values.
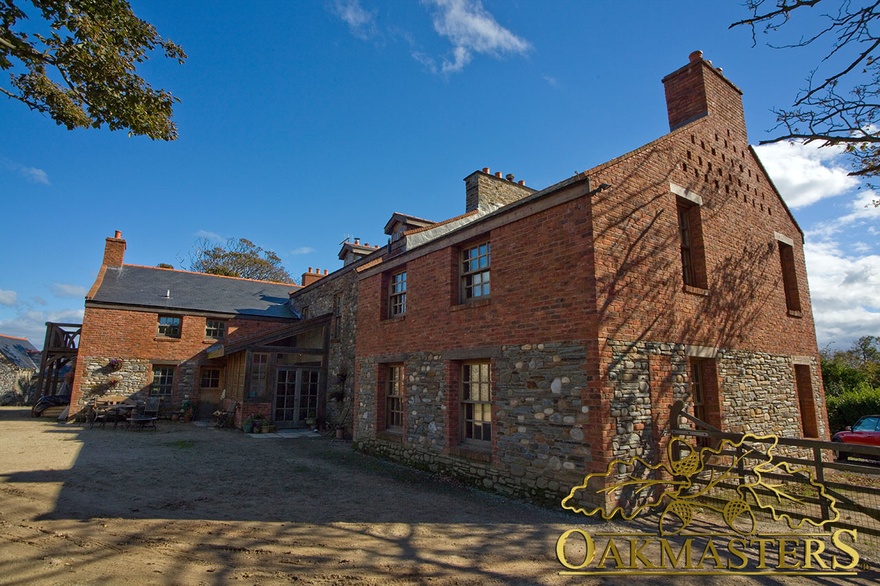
[186, 410]
[310, 419]
[248, 425]
[258, 423]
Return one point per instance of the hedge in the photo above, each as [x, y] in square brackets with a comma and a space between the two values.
[846, 408]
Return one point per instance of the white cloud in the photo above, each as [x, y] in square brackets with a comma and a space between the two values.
[362, 23]
[302, 250]
[8, 297]
[471, 29]
[212, 236]
[806, 173]
[67, 290]
[32, 324]
[32, 174]
[843, 290]
[35, 175]
[841, 250]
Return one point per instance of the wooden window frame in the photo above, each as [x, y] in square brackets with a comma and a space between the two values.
[395, 384]
[397, 294]
[475, 413]
[475, 276]
[204, 375]
[218, 328]
[789, 278]
[337, 316]
[803, 383]
[162, 384]
[166, 330]
[690, 234]
[704, 391]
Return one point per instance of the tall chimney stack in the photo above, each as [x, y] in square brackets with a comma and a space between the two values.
[699, 89]
[114, 250]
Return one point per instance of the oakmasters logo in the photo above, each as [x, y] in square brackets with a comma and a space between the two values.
[706, 502]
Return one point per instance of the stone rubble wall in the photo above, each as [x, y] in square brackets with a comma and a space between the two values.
[758, 395]
[539, 452]
[319, 298]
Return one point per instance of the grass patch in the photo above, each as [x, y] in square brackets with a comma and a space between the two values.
[182, 444]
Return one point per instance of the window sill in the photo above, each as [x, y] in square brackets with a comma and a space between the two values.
[472, 452]
[795, 313]
[471, 304]
[389, 435]
[211, 340]
[395, 319]
[165, 339]
[696, 290]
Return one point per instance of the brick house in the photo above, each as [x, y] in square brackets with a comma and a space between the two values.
[185, 336]
[543, 334]
[536, 337]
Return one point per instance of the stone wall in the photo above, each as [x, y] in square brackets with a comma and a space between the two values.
[757, 395]
[100, 377]
[538, 450]
[15, 379]
[320, 299]
[132, 377]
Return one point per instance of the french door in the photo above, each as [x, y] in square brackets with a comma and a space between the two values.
[296, 395]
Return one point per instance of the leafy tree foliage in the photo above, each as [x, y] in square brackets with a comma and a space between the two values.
[76, 60]
[852, 382]
[238, 258]
[855, 369]
[839, 105]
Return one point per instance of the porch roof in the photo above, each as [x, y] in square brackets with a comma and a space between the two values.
[221, 349]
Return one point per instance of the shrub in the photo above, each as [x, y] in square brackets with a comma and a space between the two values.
[845, 409]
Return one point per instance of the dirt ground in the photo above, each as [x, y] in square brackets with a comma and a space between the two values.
[194, 505]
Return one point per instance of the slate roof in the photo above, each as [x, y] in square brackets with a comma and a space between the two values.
[148, 286]
[16, 351]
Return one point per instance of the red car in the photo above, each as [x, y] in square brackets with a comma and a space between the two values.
[865, 432]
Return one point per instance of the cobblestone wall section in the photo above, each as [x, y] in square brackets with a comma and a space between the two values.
[539, 420]
[758, 395]
[101, 378]
[426, 388]
[541, 415]
[15, 379]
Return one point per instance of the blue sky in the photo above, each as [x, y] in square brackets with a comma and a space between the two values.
[303, 123]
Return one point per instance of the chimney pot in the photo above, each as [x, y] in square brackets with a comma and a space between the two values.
[486, 170]
[357, 240]
[498, 174]
[521, 182]
[325, 271]
[695, 56]
[118, 234]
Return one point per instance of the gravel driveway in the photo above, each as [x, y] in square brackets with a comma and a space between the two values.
[194, 505]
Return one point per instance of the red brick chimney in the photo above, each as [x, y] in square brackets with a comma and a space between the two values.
[699, 89]
[114, 250]
[310, 277]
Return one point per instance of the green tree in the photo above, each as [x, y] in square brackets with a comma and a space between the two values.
[839, 105]
[238, 258]
[76, 61]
